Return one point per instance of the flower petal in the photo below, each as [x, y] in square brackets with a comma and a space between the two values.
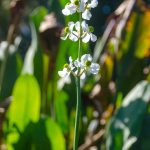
[94, 68]
[93, 3]
[86, 15]
[62, 81]
[86, 38]
[72, 37]
[82, 77]
[93, 37]
[85, 26]
[63, 73]
[66, 12]
[77, 26]
[86, 57]
[77, 63]
[71, 25]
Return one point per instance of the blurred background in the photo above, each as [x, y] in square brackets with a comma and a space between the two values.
[37, 108]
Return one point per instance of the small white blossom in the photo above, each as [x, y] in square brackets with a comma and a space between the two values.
[67, 69]
[69, 33]
[88, 35]
[86, 15]
[94, 68]
[93, 4]
[69, 9]
[73, 32]
[83, 6]
[86, 64]
[78, 68]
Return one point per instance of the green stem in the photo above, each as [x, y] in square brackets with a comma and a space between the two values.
[76, 135]
[78, 105]
[80, 41]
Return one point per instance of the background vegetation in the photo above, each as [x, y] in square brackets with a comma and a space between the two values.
[37, 111]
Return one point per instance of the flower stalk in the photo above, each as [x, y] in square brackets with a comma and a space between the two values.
[78, 91]
[78, 112]
[81, 32]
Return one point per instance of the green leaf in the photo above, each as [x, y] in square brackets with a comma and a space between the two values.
[61, 111]
[14, 61]
[144, 137]
[38, 15]
[125, 125]
[45, 134]
[25, 106]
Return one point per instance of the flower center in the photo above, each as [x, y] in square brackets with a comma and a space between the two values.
[88, 63]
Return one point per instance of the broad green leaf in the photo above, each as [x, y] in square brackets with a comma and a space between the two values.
[55, 135]
[144, 137]
[125, 125]
[14, 61]
[25, 106]
[61, 111]
[45, 134]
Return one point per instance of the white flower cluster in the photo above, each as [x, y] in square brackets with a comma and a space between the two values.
[85, 33]
[79, 31]
[83, 6]
[79, 67]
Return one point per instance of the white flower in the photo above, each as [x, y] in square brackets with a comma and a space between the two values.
[86, 64]
[85, 58]
[88, 35]
[69, 9]
[93, 4]
[70, 33]
[67, 69]
[82, 5]
[62, 81]
[94, 68]
[86, 14]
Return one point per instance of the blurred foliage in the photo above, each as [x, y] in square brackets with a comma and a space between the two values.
[37, 113]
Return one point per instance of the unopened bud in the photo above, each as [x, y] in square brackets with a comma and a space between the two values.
[66, 65]
[76, 2]
[91, 29]
[66, 30]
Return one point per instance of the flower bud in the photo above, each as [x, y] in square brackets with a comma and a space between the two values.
[66, 66]
[76, 2]
[91, 29]
[66, 30]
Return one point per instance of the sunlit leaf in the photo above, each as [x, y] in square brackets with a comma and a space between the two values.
[125, 125]
[26, 102]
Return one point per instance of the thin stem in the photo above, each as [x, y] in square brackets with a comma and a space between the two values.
[80, 40]
[76, 135]
[78, 105]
